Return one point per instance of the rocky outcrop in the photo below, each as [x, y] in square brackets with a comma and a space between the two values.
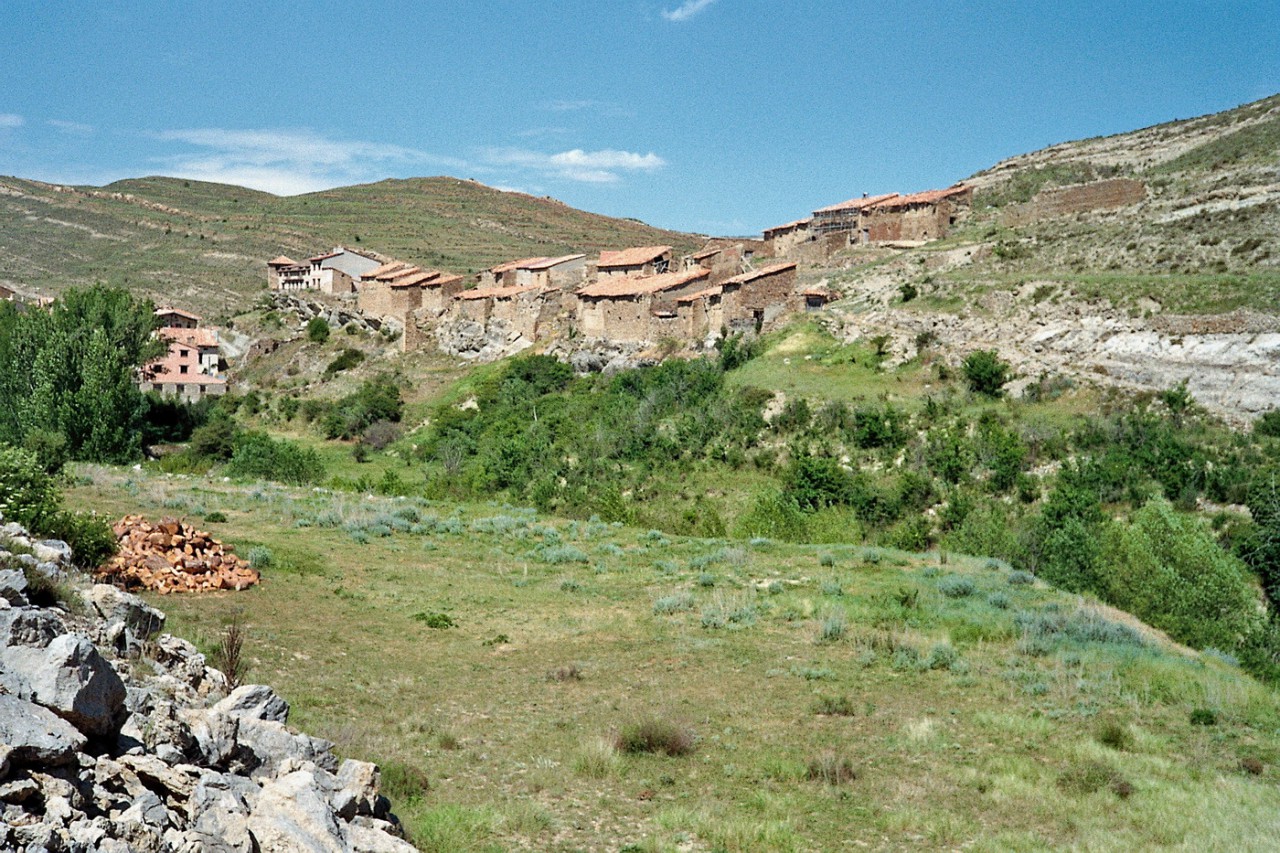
[338, 317]
[116, 738]
[476, 341]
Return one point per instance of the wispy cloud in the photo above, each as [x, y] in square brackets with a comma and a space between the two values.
[686, 10]
[604, 108]
[10, 120]
[594, 167]
[73, 127]
[288, 162]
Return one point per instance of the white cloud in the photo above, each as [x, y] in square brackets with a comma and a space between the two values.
[593, 167]
[8, 120]
[288, 162]
[604, 108]
[71, 127]
[686, 10]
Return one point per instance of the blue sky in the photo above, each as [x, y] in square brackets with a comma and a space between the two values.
[720, 116]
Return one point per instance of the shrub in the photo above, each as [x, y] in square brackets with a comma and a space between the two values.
[1204, 717]
[377, 400]
[403, 783]
[834, 706]
[27, 492]
[571, 672]
[215, 517]
[258, 455]
[1115, 736]
[986, 373]
[831, 769]
[673, 604]
[833, 627]
[435, 620]
[91, 538]
[1021, 578]
[344, 360]
[1094, 776]
[317, 330]
[955, 586]
[655, 735]
[260, 557]
[998, 600]
[1268, 424]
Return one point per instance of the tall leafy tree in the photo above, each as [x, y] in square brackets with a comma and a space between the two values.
[71, 372]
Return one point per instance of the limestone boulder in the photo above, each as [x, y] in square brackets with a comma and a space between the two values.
[36, 736]
[293, 815]
[254, 701]
[114, 604]
[69, 677]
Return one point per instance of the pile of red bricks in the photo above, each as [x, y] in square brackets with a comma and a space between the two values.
[170, 556]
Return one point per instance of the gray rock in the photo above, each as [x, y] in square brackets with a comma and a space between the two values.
[30, 626]
[215, 736]
[293, 815]
[36, 735]
[18, 791]
[255, 701]
[112, 603]
[70, 678]
[13, 586]
[273, 748]
[219, 811]
[52, 551]
[362, 780]
[368, 838]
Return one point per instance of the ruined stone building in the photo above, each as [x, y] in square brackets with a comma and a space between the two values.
[781, 239]
[919, 217]
[642, 260]
[191, 368]
[565, 271]
[333, 272]
[636, 308]
[395, 290]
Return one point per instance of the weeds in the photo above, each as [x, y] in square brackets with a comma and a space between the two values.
[831, 769]
[655, 735]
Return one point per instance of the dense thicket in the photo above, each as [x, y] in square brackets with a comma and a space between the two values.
[67, 375]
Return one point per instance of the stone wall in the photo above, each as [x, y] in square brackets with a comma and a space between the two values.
[1110, 194]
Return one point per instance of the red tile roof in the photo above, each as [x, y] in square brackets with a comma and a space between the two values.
[855, 204]
[496, 292]
[752, 275]
[789, 226]
[400, 273]
[382, 270]
[926, 197]
[282, 261]
[190, 337]
[441, 280]
[641, 285]
[326, 256]
[706, 253]
[632, 257]
[701, 294]
[548, 263]
[508, 266]
[411, 277]
[161, 312]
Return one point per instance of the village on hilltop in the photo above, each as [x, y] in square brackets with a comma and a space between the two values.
[634, 296]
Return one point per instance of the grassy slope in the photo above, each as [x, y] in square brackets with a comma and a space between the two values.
[205, 244]
[997, 751]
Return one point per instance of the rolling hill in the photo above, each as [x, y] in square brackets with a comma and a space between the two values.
[204, 244]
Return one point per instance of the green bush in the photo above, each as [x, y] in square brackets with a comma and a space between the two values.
[345, 360]
[27, 492]
[1268, 424]
[654, 735]
[257, 455]
[376, 400]
[317, 330]
[1168, 570]
[986, 373]
[91, 538]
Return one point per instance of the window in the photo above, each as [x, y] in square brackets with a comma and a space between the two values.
[184, 353]
[182, 368]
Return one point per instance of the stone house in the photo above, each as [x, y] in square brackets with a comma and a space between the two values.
[332, 273]
[436, 291]
[191, 368]
[504, 274]
[396, 289]
[518, 307]
[781, 239]
[636, 308]
[701, 314]
[723, 259]
[754, 300]
[848, 218]
[639, 261]
[918, 217]
[566, 271]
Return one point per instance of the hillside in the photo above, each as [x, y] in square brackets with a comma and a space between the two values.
[204, 245]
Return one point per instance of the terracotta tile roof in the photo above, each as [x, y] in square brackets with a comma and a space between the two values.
[926, 197]
[632, 257]
[855, 204]
[520, 263]
[789, 226]
[701, 294]
[161, 312]
[752, 275]
[382, 270]
[496, 292]
[190, 337]
[326, 256]
[400, 273]
[548, 263]
[411, 277]
[819, 292]
[641, 285]
[706, 253]
[441, 279]
[282, 261]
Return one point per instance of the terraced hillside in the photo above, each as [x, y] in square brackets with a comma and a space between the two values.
[204, 244]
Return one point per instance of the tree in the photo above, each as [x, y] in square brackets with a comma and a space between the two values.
[317, 330]
[986, 373]
[70, 372]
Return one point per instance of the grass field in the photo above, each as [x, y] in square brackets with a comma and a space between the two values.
[834, 696]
